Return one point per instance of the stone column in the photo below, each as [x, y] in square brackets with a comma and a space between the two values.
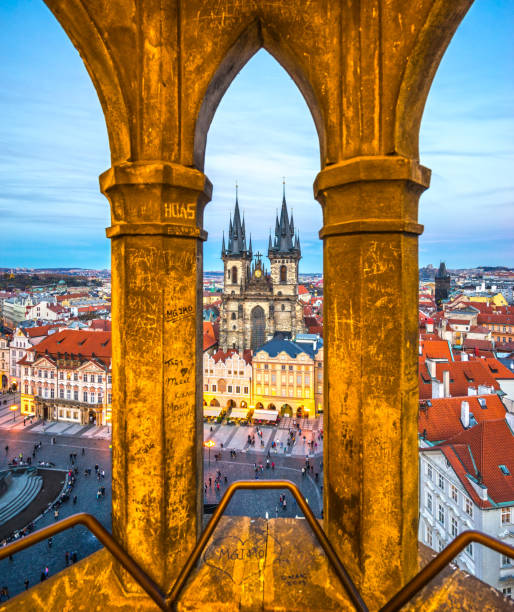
[157, 216]
[370, 235]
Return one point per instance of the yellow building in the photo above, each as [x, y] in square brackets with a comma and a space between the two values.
[288, 376]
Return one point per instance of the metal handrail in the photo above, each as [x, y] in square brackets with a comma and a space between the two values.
[336, 563]
[445, 557]
[168, 602]
[105, 538]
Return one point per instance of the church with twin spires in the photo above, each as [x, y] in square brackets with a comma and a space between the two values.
[257, 304]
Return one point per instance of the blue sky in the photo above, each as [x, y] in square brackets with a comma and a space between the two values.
[53, 146]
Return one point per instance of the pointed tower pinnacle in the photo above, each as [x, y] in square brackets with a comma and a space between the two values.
[223, 249]
[250, 246]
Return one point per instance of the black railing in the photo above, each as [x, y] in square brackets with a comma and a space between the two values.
[168, 602]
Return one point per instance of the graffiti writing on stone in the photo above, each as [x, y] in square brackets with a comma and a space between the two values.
[179, 210]
[177, 313]
[225, 553]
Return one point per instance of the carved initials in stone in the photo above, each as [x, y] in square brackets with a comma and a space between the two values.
[179, 209]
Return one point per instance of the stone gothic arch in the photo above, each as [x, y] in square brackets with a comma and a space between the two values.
[364, 69]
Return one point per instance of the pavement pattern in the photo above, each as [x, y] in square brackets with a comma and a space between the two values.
[245, 462]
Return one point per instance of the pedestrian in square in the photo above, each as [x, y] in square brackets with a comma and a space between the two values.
[26, 584]
[67, 558]
[43, 577]
[49, 542]
[56, 514]
[74, 556]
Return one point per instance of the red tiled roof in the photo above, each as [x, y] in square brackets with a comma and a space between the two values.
[496, 319]
[483, 345]
[209, 335]
[100, 324]
[40, 330]
[484, 448]
[498, 370]
[56, 308]
[478, 330]
[71, 296]
[436, 349]
[458, 322]
[441, 420]
[220, 355]
[302, 290]
[74, 341]
[465, 374]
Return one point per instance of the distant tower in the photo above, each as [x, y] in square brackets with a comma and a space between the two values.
[442, 285]
[236, 256]
[284, 253]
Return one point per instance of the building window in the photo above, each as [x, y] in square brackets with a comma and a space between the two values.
[61, 375]
[440, 514]
[429, 502]
[506, 516]
[26, 389]
[229, 389]
[99, 378]
[84, 397]
[233, 316]
[283, 274]
[92, 400]
[76, 395]
[454, 493]
[109, 380]
[238, 389]
[507, 591]
[52, 374]
[75, 376]
[290, 368]
[440, 482]
[68, 394]
[266, 366]
[109, 398]
[52, 393]
[298, 379]
[61, 393]
[245, 390]
[307, 379]
[429, 472]
[428, 535]
[85, 378]
[40, 374]
[468, 506]
[234, 275]
[455, 527]
[469, 549]
[506, 560]
[206, 387]
[214, 388]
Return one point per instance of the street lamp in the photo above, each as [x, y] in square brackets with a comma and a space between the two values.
[13, 408]
[209, 444]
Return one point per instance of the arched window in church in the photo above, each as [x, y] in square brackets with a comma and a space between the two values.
[283, 274]
[233, 316]
[234, 275]
[258, 327]
[283, 307]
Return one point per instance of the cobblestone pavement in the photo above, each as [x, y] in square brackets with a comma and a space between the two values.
[31, 562]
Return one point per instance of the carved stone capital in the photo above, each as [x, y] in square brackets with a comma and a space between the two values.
[374, 194]
[156, 198]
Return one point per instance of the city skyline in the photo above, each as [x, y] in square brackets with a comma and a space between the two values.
[54, 146]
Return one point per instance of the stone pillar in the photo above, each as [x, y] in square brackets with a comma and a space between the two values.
[370, 235]
[157, 216]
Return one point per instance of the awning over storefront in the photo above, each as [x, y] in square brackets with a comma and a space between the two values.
[239, 413]
[211, 411]
[265, 415]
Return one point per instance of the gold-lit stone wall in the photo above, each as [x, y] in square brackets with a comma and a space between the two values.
[364, 67]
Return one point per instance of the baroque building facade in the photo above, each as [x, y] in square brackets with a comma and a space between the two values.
[256, 304]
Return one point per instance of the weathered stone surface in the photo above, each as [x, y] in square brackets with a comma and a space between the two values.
[364, 68]
[253, 566]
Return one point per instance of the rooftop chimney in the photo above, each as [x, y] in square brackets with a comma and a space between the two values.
[437, 389]
[464, 356]
[446, 383]
[464, 414]
[472, 391]
[431, 365]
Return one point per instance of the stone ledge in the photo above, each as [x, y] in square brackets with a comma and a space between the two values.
[251, 565]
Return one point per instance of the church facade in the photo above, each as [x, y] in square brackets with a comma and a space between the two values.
[256, 304]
